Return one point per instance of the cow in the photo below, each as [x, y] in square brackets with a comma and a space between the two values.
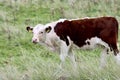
[86, 34]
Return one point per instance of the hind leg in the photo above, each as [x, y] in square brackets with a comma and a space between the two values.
[117, 56]
[116, 53]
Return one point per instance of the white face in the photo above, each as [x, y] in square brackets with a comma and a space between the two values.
[38, 33]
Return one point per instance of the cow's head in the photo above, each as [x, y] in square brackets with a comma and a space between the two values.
[39, 32]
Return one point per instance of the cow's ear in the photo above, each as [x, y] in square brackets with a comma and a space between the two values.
[48, 29]
[29, 29]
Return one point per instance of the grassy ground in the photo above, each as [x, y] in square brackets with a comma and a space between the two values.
[22, 60]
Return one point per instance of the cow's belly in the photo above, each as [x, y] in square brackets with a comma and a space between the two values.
[88, 47]
[93, 43]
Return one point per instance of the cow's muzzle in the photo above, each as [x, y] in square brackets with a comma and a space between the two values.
[35, 41]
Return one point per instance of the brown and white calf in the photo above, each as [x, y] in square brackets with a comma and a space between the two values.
[85, 34]
[44, 36]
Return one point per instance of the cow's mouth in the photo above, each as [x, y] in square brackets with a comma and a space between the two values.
[35, 42]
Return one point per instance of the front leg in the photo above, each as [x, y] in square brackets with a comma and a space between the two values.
[64, 49]
[72, 58]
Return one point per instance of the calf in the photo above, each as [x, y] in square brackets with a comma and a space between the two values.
[81, 33]
[87, 34]
[44, 36]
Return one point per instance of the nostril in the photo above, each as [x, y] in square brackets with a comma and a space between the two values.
[34, 41]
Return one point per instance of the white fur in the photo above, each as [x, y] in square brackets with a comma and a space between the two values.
[94, 42]
[81, 18]
[37, 36]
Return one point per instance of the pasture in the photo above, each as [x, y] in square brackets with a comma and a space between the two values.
[20, 59]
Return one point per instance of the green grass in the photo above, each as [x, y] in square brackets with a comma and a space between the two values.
[20, 59]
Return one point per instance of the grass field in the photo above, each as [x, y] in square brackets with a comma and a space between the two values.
[20, 59]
